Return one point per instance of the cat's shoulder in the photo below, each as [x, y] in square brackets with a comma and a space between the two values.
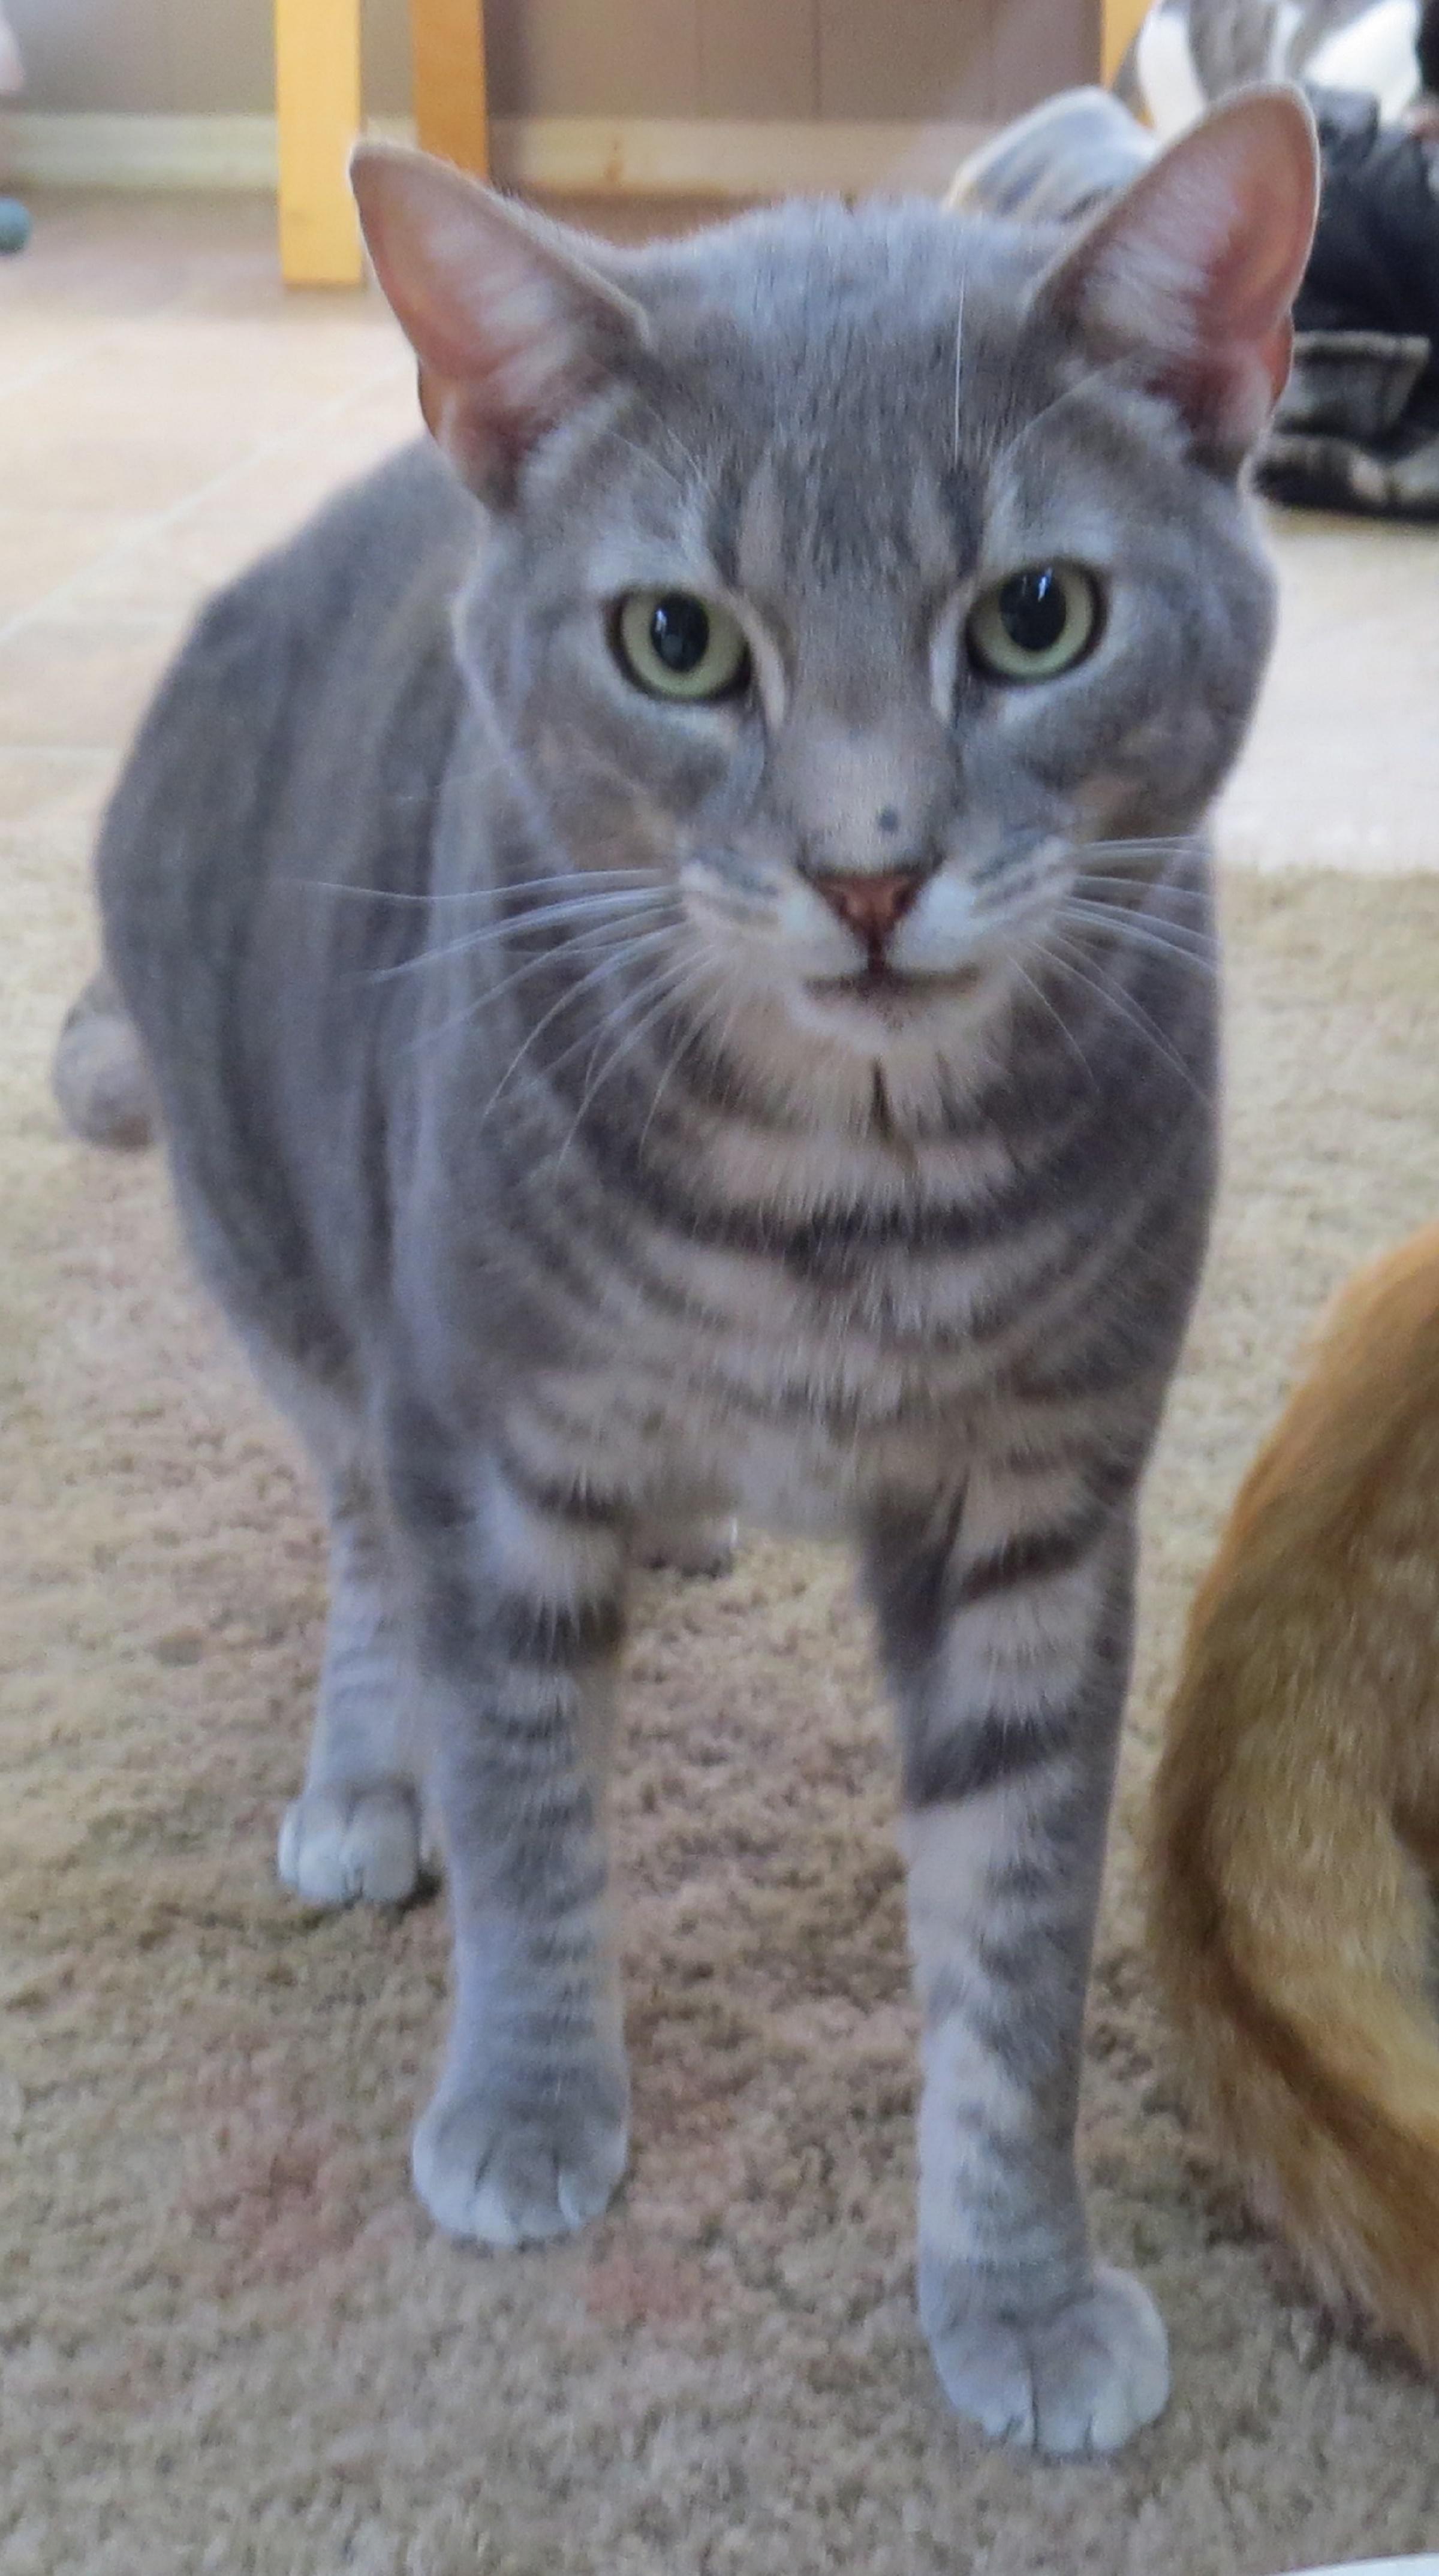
[378, 536]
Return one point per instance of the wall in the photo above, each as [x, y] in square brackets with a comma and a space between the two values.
[180, 57]
[786, 59]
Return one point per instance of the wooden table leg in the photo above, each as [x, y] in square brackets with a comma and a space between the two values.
[1119, 24]
[317, 108]
[447, 41]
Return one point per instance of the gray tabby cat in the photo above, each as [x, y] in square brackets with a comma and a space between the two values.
[680, 991]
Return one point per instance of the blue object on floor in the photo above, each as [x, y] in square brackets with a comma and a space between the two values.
[14, 224]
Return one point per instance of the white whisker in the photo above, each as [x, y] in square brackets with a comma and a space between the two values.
[646, 455]
[1067, 393]
[1172, 939]
[695, 478]
[700, 1027]
[576, 878]
[666, 986]
[600, 909]
[1169, 889]
[1124, 1007]
[606, 965]
[478, 1001]
[1189, 845]
[614, 935]
[1070, 1040]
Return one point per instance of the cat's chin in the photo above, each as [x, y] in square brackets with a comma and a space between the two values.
[880, 998]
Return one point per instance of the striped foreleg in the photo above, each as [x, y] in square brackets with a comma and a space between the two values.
[1009, 1648]
[527, 2134]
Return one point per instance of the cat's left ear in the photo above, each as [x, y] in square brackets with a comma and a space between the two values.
[1190, 274]
[511, 323]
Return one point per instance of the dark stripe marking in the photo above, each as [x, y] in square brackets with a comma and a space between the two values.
[576, 1507]
[1031, 1557]
[543, 1633]
[987, 1753]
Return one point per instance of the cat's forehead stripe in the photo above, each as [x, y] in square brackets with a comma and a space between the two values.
[759, 549]
[829, 521]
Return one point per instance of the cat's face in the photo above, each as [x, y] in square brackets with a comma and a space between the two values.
[866, 625]
[862, 589]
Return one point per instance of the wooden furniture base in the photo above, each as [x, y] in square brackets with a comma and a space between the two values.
[318, 113]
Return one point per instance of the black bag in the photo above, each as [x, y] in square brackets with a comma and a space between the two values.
[1358, 425]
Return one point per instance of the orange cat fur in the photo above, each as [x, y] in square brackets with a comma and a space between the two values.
[1297, 1813]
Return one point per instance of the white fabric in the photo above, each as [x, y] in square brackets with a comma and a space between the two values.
[1168, 82]
[1374, 53]
[12, 70]
[1428, 2565]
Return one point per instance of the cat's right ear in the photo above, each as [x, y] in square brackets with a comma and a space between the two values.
[510, 323]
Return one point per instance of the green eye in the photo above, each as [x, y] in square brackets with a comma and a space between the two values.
[674, 645]
[1037, 623]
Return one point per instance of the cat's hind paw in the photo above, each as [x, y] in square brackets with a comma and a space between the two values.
[338, 1845]
[512, 2175]
[1081, 2379]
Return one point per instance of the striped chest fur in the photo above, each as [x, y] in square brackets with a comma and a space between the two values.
[782, 1322]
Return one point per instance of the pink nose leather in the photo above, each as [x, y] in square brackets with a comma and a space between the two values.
[871, 906]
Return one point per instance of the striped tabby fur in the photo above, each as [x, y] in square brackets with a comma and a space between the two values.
[570, 1162]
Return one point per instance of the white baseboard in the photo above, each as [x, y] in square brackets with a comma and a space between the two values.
[639, 156]
[726, 157]
[82, 151]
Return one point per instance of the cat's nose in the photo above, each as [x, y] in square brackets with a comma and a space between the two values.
[871, 906]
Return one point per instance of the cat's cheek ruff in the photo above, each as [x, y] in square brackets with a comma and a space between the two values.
[797, 940]
[940, 934]
[797, 947]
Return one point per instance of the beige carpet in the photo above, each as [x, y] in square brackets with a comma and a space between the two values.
[228, 2339]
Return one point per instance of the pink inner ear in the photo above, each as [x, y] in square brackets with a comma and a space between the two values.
[510, 322]
[492, 336]
[1195, 268]
[1242, 335]
[483, 433]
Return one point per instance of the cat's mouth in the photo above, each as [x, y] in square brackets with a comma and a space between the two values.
[889, 991]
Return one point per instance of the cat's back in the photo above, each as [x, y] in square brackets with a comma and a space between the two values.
[292, 757]
[402, 532]
[289, 691]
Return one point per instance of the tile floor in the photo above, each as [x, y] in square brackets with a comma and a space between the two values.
[166, 410]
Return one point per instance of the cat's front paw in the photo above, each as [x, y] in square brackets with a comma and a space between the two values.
[1080, 2379]
[338, 1845]
[512, 2173]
